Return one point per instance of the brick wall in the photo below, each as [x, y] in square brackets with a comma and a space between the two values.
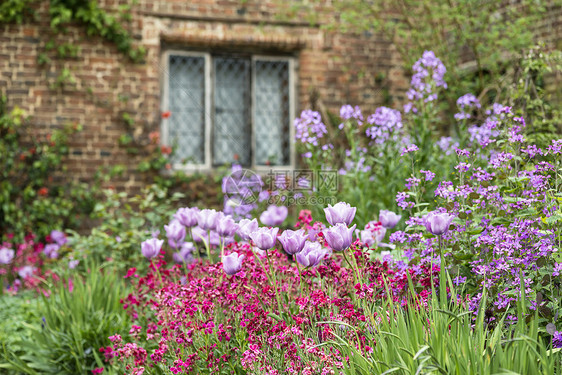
[107, 84]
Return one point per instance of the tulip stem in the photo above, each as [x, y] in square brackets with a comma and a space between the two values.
[274, 281]
[208, 246]
[355, 278]
[300, 277]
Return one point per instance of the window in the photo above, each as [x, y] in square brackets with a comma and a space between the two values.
[228, 108]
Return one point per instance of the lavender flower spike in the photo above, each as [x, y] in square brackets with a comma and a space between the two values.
[438, 223]
[232, 263]
[151, 247]
[293, 240]
[340, 213]
[389, 219]
[264, 238]
[339, 237]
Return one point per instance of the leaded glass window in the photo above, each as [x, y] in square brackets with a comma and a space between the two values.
[227, 109]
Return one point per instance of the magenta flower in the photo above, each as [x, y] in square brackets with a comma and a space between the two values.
[51, 250]
[151, 247]
[207, 219]
[274, 215]
[438, 223]
[6, 255]
[264, 238]
[226, 227]
[175, 232]
[389, 219]
[312, 254]
[59, 237]
[232, 263]
[340, 213]
[339, 237]
[293, 240]
[245, 227]
[187, 216]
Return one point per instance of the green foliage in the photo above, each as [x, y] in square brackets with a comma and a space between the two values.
[15, 11]
[29, 200]
[488, 33]
[445, 337]
[66, 330]
[97, 22]
[125, 222]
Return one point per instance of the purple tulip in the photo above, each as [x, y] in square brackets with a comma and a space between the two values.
[151, 247]
[51, 250]
[26, 271]
[245, 227]
[73, 263]
[293, 240]
[389, 219]
[312, 254]
[199, 234]
[187, 216]
[340, 213]
[339, 237]
[184, 255]
[274, 215]
[264, 238]
[59, 237]
[438, 223]
[226, 227]
[232, 263]
[175, 232]
[6, 255]
[207, 219]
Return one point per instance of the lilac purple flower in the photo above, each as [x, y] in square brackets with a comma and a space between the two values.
[185, 254]
[274, 215]
[389, 219]
[226, 227]
[245, 227]
[51, 250]
[6, 255]
[438, 223]
[73, 263]
[26, 271]
[207, 219]
[465, 104]
[175, 232]
[309, 127]
[59, 237]
[385, 121]
[187, 216]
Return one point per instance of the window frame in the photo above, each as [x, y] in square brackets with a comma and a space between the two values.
[209, 78]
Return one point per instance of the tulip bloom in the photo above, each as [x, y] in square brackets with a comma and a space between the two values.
[339, 237]
[187, 216]
[6, 255]
[340, 213]
[232, 263]
[312, 254]
[389, 219]
[293, 241]
[438, 223]
[264, 238]
[274, 215]
[151, 247]
[175, 233]
[226, 227]
[207, 219]
[245, 227]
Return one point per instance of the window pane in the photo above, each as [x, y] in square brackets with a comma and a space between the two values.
[232, 130]
[186, 98]
[271, 112]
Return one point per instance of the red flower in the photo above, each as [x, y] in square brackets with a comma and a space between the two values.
[166, 114]
[43, 191]
[166, 150]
